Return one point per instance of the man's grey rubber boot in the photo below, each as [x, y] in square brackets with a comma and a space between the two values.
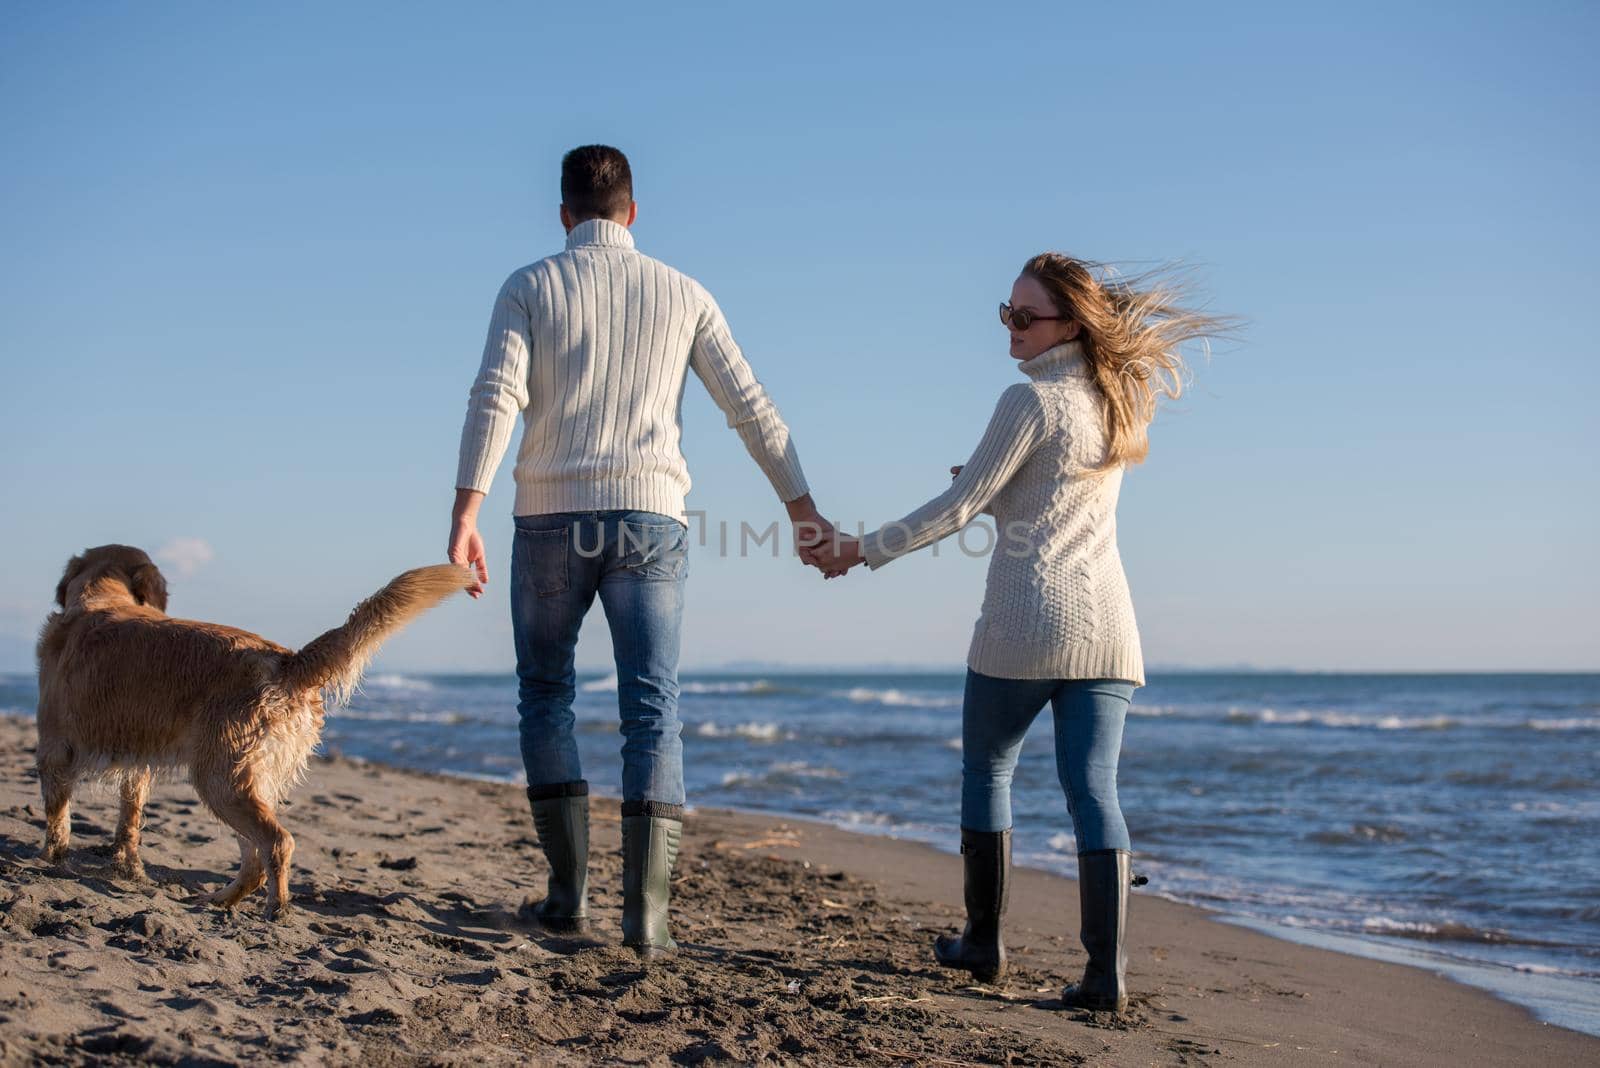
[1104, 876]
[561, 817]
[650, 834]
[986, 859]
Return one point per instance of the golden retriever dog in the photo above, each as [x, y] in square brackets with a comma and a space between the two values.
[127, 692]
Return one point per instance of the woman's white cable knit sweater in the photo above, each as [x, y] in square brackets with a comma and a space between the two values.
[1056, 605]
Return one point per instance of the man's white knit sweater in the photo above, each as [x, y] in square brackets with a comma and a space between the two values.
[1056, 605]
[592, 347]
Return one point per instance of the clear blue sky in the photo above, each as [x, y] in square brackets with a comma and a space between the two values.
[250, 255]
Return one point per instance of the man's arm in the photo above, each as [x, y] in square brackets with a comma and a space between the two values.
[500, 391]
[499, 394]
[718, 362]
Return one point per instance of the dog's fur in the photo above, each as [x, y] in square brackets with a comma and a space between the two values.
[126, 691]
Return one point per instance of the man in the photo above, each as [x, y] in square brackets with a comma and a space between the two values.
[592, 346]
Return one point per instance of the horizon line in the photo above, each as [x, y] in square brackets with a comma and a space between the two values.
[891, 668]
[748, 668]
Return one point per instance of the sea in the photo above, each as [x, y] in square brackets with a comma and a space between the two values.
[1449, 821]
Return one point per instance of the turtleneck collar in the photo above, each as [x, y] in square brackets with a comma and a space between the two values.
[1065, 360]
[601, 232]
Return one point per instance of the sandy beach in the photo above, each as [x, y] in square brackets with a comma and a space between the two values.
[800, 943]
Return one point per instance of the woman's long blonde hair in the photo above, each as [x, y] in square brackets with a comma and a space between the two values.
[1131, 330]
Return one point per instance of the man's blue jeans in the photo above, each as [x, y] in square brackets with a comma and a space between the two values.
[1089, 715]
[637, 562]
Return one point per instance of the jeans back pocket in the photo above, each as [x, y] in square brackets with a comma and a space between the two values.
[653, 550]
[541, 559]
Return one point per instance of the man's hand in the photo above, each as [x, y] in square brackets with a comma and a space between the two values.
[813, 535]
[835, 556]
[466, 544]
[809, 526]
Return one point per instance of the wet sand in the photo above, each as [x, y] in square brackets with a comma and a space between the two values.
[800, 943]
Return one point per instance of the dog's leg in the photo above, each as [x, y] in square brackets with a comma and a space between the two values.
[253, 820]
[125, 852]
[275, 845]
[281, 853]
[251, 876]
[55, 783]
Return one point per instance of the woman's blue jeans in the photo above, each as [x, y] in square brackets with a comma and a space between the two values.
[637, 563]
[1089, 714]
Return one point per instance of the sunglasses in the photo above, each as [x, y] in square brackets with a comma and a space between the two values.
[1022, 318]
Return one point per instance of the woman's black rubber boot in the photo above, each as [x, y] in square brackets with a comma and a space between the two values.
[650, 834]
[561, 818]
[986, 861]
[1104, 877]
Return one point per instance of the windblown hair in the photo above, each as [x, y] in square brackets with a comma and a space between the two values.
[1131, 330]
[596, 182]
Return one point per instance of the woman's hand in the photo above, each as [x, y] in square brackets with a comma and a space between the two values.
[834, 555]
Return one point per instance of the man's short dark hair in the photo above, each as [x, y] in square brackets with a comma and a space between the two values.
[596, 182]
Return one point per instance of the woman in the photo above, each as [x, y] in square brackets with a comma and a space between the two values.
[1057, 623]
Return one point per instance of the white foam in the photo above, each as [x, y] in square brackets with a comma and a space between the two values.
[610, 684]
[1425, 723]
[853, 818]
[1557, 808]
[755, 732]
[804, 770]
[1393, 722]
[397, 682]
[1576, 723]
[755, 687]
[1064, 843]
[897, 698]
[1387, 924]
[1137, 709]
[448, 715]
[1348, 720]
[786, 768]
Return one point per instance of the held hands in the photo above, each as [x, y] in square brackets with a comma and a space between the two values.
[834, 556]
[810, 528]
[820, 545]
[815, 539]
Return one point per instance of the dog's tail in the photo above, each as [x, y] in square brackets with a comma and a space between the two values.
[334, 661]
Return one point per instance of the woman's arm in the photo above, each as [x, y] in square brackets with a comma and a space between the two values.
[1017, 427]
[987, 509]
